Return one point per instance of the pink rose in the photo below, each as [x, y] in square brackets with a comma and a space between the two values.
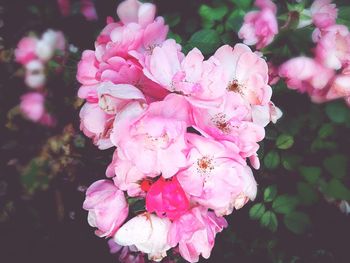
[195, 233]
[216, 178]
[133, 11]
[25, 50]
[32, 105]
[107, 207]
[125, 175]
[153, 139]
[333, 48]
[167, 198]
[245, 73]
[323, 13]
[260, 27]
[305, 74]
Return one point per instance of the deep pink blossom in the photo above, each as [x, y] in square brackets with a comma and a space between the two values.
[167, 198]
[32, 106]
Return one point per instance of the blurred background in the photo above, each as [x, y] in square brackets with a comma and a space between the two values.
[300, 214]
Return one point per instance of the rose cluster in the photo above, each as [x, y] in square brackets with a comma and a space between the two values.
[184, 128]
[326, 76]
[34, 54]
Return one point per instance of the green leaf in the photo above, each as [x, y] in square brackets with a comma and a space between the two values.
[177, 37]
[337, 112]
[284, 204]
[310, 173]
[269, 220]
[336, 165]
[207, 40]
[272, 160]
[213, 13]
[270, 193]
[344, 15]
[291, 161]
[284, 141]
[235, 20]
[297, 222]
[307, 194]
[172, 19]
[256, 211]
[326, 130]
[337, 189]
[243, 4]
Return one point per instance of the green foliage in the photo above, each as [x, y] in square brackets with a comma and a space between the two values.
[307, 195]
[310, 173]
[336, 165]
[242, 4]
[256, 211]
[207, 40]
[336, 189]
[338, 112]
[270, 193]
[272, 160]
[284, 204]
[284, 141]
[297, 222]
[269, 220]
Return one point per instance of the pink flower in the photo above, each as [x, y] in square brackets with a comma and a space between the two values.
[217, 178]
[245, 73]
[231, 122]
[133, 11]
[260, 27]
[87, 8]
[153, 139]
[340, 87]
[305, 74]
[107, 207]
[25, 50]
[96, 124]
[167, 198]
[148, 233]
[333, 48]
[195, 233]
[323, 13]
[32, 106]
[125, 175]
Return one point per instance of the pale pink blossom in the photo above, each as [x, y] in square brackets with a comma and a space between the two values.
[216, 178]
[333, 48]
[231, 122]
[245, 73]
[25, 51]
[153, 138]
[49, 43]
[305, 74]
[32, 106]
[167, 198]
[260, 27]
[96, 124]
[125, 175]
[195, 233]
[148, 233]
[133, 11]
[107, 207]
[323, 13]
